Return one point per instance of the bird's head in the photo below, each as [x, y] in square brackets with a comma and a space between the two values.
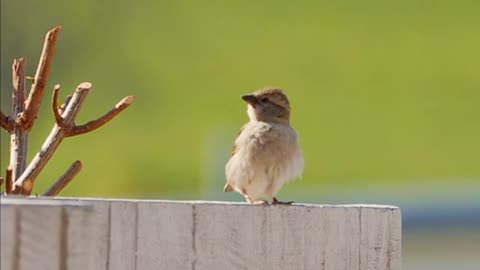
[268, 105]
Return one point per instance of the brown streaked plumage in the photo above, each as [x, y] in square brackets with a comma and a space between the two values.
[266, 153]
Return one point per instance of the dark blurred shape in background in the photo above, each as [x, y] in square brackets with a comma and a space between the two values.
[385, 97]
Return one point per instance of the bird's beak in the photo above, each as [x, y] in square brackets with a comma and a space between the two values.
[250, 99]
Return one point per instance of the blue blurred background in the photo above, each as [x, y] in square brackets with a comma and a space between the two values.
[385, 97]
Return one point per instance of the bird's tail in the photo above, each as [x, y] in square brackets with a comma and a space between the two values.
[227, 188]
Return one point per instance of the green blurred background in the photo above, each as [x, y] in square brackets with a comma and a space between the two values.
[385, 97]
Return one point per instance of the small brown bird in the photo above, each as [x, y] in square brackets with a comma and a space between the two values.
[266, 153]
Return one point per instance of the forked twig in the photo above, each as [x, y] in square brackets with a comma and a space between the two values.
[20, 178]
[94, 124]
[65, 179]
[53, 140]
[65, 127]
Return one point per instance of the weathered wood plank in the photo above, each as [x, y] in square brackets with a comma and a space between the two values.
[375, 243]
[45, 234]
[395, 239]
[123, 235]
[129, 234]
[101, 232]
[165, 231]
[99, 229]
[81, 244]
[225, 236]
[40, 237]
[284, 237]
[7, 239]
[332, 237]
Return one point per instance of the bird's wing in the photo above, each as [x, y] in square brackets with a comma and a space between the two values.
[235, 145]
[228, 187]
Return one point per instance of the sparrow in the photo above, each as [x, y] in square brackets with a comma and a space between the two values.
[266, 153]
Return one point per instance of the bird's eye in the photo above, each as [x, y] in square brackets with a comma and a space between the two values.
[264, 100]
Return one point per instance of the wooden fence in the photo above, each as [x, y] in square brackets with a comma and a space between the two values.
[71, 233]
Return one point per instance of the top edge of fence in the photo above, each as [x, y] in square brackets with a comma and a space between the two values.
[43, 202]
[84, 201]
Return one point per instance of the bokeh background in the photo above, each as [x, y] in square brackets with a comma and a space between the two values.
[385, 97]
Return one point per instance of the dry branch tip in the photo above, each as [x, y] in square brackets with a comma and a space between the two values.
[56, 112]
[83, 86]
[37, 90]
[107, 117]
[127, 100]
[65, 179]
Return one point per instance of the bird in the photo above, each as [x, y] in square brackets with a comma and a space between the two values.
[266, 153]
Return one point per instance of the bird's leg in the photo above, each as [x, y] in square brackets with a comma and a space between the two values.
[262, 202]
[244, 193]
[276, 201]
[250, 201]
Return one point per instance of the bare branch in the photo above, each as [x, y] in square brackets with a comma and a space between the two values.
[94, 124]
[65, 104]
[9, 179]
[5, 122]
[25, 183]
[56, 113]
[65, 179]
[18, 136]
[37, 90]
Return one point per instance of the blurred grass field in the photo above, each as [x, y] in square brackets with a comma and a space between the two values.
[385, 98]
[384, 94]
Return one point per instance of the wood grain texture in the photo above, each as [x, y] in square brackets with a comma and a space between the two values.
[45, 234]
[7, 239]
[100, 231]
[395, 239]
[132, 234]
[81, 245]
[165, 236]
[224, 238]
[39, 237]
[123, 236]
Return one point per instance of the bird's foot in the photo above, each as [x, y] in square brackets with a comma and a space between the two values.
[261, 202]
[276, 201]
[249, 201]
